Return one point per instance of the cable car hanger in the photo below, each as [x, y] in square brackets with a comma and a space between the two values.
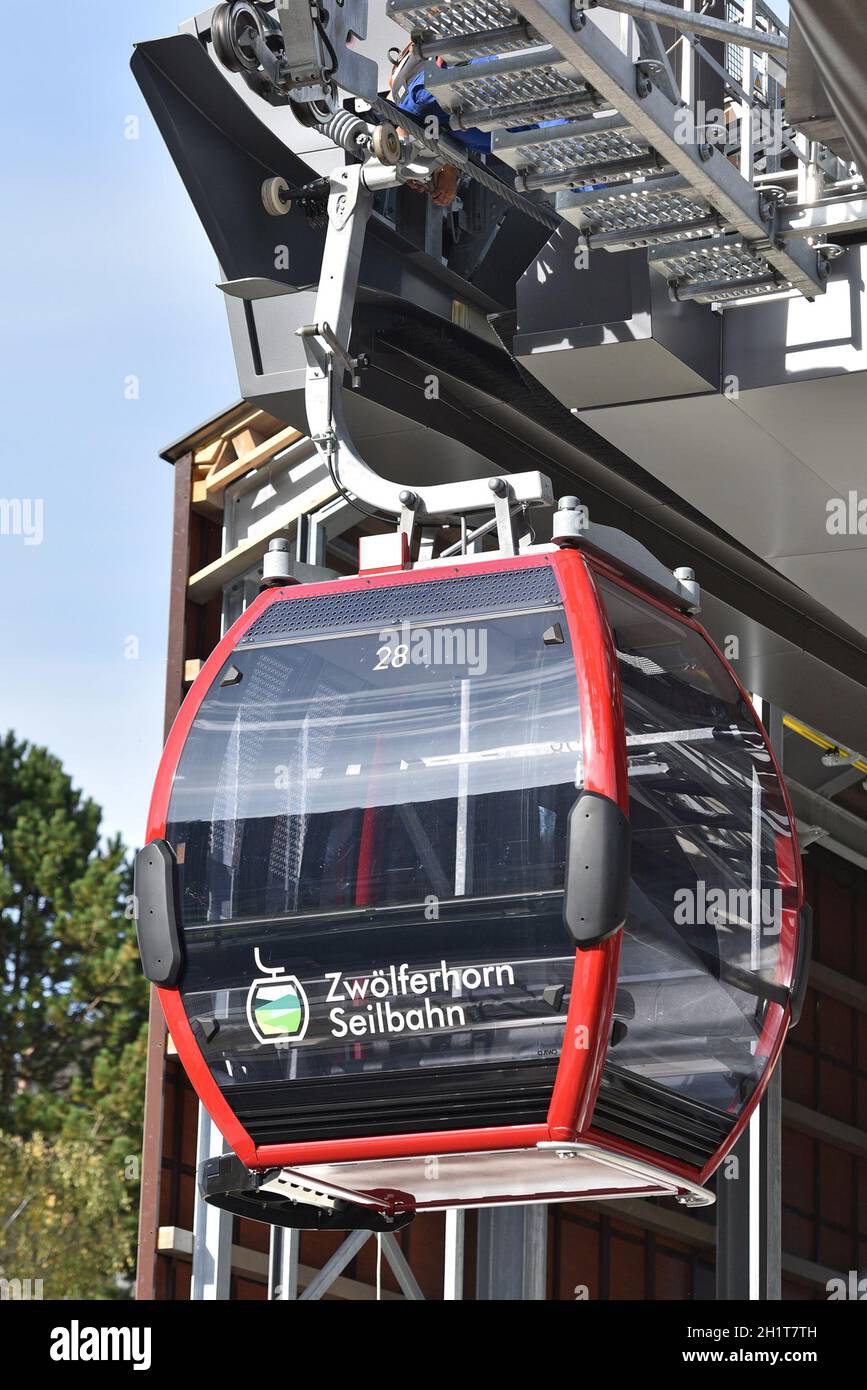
[387, 161]
[326, 342]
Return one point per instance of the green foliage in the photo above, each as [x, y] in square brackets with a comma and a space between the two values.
[73, 1008]
[65, 1217]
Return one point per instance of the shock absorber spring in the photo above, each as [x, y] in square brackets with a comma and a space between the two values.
[347, 130]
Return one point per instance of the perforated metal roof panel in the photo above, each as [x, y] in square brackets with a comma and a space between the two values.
[498, 592]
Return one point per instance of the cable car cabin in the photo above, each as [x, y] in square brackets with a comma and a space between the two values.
[471, 883]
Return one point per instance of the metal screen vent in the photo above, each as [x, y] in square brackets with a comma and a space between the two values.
[385, 606]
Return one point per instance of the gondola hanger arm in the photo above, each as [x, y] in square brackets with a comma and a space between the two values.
[327, 346]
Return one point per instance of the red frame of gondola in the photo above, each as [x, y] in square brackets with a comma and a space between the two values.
[595, 976]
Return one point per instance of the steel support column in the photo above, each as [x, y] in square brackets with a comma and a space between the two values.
[212, 1227]
[748, 81]
[453, 1264]
[512, 1256]
[749, 1215]
[283, 1257]
[748, 1245]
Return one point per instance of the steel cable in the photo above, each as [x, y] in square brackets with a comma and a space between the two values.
[455, 154]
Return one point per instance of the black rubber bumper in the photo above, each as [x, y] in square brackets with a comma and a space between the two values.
[228, 1183]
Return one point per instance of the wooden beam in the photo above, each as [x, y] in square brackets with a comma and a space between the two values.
[152, 1136]
[825, 1128]
[253, 1264]
[207, 582]
[181, 539]
[249, 419]
[210, 456]
[220, 480]
[211, 507]
[246, 442]
[665, 1221]
[837, 986]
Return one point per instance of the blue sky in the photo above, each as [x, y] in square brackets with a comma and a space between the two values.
[107, 275]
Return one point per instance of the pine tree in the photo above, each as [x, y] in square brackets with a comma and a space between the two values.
[74, 1001]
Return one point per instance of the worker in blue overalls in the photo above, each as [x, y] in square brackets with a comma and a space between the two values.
[411, 95]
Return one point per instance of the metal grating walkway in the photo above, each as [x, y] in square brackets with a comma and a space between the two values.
[534, 85]
[576, 117]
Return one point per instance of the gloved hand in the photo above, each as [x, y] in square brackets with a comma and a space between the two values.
[442, 187]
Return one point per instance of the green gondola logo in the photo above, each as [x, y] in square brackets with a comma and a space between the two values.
[277, 1007]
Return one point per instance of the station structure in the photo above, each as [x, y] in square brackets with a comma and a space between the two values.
[651, 288]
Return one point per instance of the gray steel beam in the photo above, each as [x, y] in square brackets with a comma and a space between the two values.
[653, 47]
[848, 831]
[453, 1261]
[749, 1181]
[768, 13]
[665, 1222]
[830, 1131]
[847, 778]
[748, 1211]
[512, 1253]
[737, 34]
[212, 1227]
[283, 1258]
[706, 169]
[407, 1281]
[335, 1266]
[837, 986]
[707, 57]
[831, 217]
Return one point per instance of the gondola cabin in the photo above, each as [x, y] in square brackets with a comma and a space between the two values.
[470, 882]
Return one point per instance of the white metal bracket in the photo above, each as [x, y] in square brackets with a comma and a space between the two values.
[326, 343]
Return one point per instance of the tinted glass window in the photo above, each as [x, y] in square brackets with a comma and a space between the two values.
[371, 837]
[379, 768]
[366, 993]
[702, 952]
